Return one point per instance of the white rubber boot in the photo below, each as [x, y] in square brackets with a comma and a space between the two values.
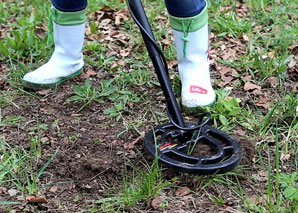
[191, 39]
[67, 59]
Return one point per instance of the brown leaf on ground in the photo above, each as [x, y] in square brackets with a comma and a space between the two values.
[128, 146]
[34, 199]
[240, 132]
[257, 92]
[247, 78]
[44, 92]
[295, 88]
[254, 199]
[121, 62]
[137, 139]
[262, 176]
[117, 20]
[88, 74]
[105, 22]
[155, 203]
[125, 52]
[119, 15]
[171, 64]
[227, 75]
[245, 37]
[273, 82]
[250, 86]
[75, 115]
[3, 190]
[292, 63]
[285, 157]
[166, 42]
[3, 79]
[53, 189]
[293, 73]
[263, 102]
[182, 191]
[225, 80]
[40, 32]
[271, 54]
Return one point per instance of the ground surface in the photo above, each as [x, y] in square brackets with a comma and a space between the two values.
[98, 141]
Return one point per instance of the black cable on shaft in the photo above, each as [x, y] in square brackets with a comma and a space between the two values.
[152, 40]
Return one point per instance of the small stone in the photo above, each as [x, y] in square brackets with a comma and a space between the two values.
[12, 192]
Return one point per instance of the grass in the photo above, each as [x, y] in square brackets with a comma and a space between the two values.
[138, 187]
[267, 31]
[280, 192]
[17, 168]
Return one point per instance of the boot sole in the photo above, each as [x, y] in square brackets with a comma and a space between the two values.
[197, 109]
[37, 87]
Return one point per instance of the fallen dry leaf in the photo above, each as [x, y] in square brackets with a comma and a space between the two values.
[257, 92]
[285, 157]
[122, 14]
[44, 92]
[227, 75]
[240, 132]
[273, 82]
[117, 20]
[250, 86]
[3, 79]
[53, 189]
[75, 115]
[3, 190]
[182, 191]
[229, 55]
[137, 139]
[254, 199]
[88, 74]
[245, 37]
[225, 80]
[295, 87]
[171, 64]
[125, 52]
[271, 54]
[166, 42]
[105, 22]
[292, 63]
[34, 199]
[155, 203]
[263, 102]
[121, 62]
[128, 146]
[262, 176]
[91, 72]
[40, 32]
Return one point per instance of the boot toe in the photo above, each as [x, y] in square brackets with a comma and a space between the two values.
[36, 78]
[193, 100]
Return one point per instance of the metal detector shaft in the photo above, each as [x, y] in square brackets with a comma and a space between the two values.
[138, 12]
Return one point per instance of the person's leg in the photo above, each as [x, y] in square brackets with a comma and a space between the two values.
[189, 20]
[69, 5]
[68, 20]
[185, 8]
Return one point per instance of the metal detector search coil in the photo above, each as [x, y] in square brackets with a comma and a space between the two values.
[176, 144]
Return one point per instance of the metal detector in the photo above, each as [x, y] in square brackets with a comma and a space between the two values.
[175, 144]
